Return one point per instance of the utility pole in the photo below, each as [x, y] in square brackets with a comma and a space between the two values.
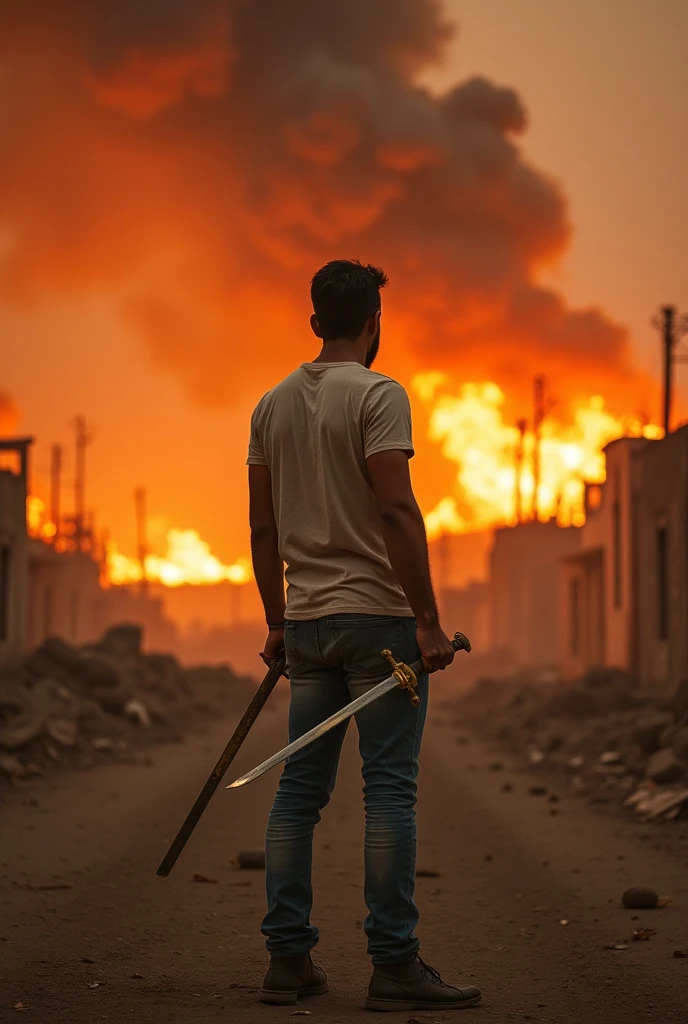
[522, 427]
[84, 437]
[141, 534]
[671, 329]
[56, 463]
[538, 417]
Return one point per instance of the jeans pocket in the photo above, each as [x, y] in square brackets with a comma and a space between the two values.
[294, 661]
[360, 641]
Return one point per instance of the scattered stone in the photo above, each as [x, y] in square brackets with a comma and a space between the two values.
[427, 873]
[647, 732]
[680, 954]
[638, 898]
[665, 767]
[249, 860]
[572, 703]
[138, 712]
[205, 879]
[63, 731]
[643, 934]
[611, 757]
[537, 790]
[680, 743]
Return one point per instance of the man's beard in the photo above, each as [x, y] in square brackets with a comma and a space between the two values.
[373, 350]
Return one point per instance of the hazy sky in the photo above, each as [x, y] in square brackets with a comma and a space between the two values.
[606, 88]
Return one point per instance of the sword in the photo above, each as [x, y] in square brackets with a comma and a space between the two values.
[224, 761]
[402, 675]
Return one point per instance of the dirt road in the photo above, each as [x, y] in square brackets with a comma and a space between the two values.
[117, 943]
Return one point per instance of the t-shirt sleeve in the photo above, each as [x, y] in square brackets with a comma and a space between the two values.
[256, 453]
[387, 420]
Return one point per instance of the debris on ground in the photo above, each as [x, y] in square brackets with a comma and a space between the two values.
[427, 873]
[249, 860]
[640, 899]
[612, 742]
[681, 954]
[64, 704]
[643, 934]
[204, 878]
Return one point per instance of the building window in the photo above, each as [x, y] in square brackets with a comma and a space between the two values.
[574, 617]
[662, 584]
[4, 592]
[616, 551]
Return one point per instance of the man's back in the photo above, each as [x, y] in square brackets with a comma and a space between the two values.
[315, 431]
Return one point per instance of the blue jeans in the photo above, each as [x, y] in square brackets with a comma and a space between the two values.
[332, 661]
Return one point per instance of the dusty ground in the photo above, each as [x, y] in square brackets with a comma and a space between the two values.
[174, 950]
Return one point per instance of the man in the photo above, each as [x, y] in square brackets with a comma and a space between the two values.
[331, 497]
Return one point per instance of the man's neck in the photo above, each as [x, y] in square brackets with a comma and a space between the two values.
[341, 350]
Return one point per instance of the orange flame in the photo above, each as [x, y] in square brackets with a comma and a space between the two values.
[470, 427]
[188, 560]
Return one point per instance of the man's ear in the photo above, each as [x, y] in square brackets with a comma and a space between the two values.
[374, 322]
[315, 326]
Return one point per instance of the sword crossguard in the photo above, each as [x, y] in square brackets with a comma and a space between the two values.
[405, 676]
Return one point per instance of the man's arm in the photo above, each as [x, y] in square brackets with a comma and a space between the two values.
[403, 531]
[268, 567]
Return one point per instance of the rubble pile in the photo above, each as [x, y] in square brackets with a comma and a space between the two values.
[80, 705]
[611, 741]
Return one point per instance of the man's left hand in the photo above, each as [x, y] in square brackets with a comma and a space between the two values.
[274, 647]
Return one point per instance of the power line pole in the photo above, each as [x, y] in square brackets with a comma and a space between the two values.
[672, 329]
[538, 417]
[141, 534]
[522, 427]
[84, 437]
[56, 463]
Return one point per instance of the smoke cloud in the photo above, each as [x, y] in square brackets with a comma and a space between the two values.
[201, 158]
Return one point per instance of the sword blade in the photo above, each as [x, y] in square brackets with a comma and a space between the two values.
[340, 716]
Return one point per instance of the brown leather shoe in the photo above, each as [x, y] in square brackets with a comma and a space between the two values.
[289, 977]
[416, 986]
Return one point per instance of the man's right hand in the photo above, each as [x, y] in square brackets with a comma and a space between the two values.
[435, 647]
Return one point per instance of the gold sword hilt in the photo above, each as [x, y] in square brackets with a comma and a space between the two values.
[405, 676]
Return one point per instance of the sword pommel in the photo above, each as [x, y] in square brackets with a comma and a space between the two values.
[405, 676]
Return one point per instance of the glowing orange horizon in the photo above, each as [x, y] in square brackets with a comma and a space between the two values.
[470, 427]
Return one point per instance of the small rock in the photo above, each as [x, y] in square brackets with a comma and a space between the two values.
[665, 767]
[507, 787]
[427, 873]
[249, 860]
[538, 790]
[62, 731]
[638, 898]
[649, 729]
[611, 757]
[497, 766]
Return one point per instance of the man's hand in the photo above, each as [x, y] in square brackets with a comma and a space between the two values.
[274, 647]
[435, 647]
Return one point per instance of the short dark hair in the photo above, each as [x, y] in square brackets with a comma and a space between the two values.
[344, 294]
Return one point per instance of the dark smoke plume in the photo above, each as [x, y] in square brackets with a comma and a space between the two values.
[202, 157]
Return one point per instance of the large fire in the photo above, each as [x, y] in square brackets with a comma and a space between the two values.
[494, 483]
[496, 465]
[188, 560]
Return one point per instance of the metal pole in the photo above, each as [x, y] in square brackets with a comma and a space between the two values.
[522, 426]
[538, 417]
[668, 314]
[56, 460]
[140, 501]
